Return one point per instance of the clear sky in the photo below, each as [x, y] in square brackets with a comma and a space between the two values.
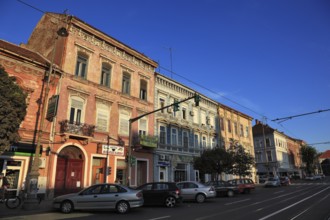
[265, 58]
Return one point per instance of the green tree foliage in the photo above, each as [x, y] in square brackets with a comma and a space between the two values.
[12, 110]
[214, 161]
[242, 160]
[309, 156]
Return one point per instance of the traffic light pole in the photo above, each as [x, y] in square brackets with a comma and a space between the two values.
[197, 99]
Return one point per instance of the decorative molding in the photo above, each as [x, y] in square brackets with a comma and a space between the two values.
[83, 49]
[110, 48]
[104, 100]
[79, 91]
[105, 58]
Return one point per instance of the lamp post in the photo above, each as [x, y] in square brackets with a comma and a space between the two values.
[106, 162]
[32, 177]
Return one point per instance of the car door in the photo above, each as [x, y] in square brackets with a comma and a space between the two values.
[148, 193]
[89, 198]
[188, 190]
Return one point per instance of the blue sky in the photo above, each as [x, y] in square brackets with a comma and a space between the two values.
[265, 58]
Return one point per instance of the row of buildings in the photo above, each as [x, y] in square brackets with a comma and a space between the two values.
[94, 85]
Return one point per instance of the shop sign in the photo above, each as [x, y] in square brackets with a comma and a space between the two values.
[148, 141]
[112, 150]
[163, 163]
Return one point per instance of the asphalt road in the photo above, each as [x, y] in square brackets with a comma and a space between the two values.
[300, 201]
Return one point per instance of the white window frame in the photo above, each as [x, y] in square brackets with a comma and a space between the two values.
[124, 117]
[141, 131]
[82, 109]
[164, 133]
[81, 62]
[174, 138]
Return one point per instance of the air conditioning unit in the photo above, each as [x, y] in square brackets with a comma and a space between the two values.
[192, 113]
[169, 110]
[162, 157]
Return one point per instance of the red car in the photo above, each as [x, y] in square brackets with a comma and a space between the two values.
[244, 185]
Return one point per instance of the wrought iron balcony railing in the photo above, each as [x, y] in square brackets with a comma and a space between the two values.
[81, 129]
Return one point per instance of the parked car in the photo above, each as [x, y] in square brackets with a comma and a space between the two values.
[262, 179]
[310, 177]
[161, 193]
[319, 176]
[273, 182]
[244, 185]
[223, 188]
[192, 190]
[285, 181]
[100, 197]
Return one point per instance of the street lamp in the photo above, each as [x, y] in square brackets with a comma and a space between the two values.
[32, 178]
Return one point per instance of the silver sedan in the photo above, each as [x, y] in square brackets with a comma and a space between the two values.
[100, 197]
[192, 190]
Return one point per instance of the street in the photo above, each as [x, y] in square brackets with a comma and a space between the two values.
[301, 200]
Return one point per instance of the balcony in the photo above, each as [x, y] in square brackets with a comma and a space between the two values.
[77, 129]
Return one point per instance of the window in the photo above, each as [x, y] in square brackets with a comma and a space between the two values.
[81, 66]
[258, 157]
[142, 126]
[241, 130]
[76, 110]
[185, 139]
[247, 131]
[143, 89]
[229, 125]
[105, 75]
[162, 104]
[174, 137]
[267, 142]
[204, 141]
[269, 156]
[124, 122]
[126, 83]
[222, 126]
[213, 142]
[235, 128]
[196, 142]
[102, 117]
[184, 113]
[162, 134]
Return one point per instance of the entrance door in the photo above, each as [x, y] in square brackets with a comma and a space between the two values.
[68, 176]
[162, 174]
[141, 172]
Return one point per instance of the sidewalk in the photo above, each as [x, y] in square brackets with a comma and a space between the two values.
[44, 206]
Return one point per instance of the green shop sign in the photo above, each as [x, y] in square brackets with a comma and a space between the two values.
[148, 141]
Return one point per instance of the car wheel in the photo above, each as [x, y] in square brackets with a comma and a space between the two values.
[122, 207]
[200, 198]
[170, 202]
[230, 193]
[66, 207]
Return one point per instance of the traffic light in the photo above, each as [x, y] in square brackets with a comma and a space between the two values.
[109, 170]
[176, 106]
[197, 99]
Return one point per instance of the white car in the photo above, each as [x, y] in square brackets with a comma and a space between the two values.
[273, 181]
[192, 190]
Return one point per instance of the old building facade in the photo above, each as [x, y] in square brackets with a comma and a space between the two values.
[104, 84]
[236, 127]
[182, 134]
[29, 70]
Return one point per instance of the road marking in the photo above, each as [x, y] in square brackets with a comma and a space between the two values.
[310, 207]
[230, 203]
[294, 204]
[279, 192]
[168, 216]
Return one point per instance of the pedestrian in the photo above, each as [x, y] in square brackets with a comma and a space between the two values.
[4, 185]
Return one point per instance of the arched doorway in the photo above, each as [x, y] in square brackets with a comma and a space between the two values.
[69, 171]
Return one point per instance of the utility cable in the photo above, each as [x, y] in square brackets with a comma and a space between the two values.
[294, 116]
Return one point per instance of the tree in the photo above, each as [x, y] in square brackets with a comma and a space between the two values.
[12, 110]
[309, 155]
[214, 161]
[242, 161]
